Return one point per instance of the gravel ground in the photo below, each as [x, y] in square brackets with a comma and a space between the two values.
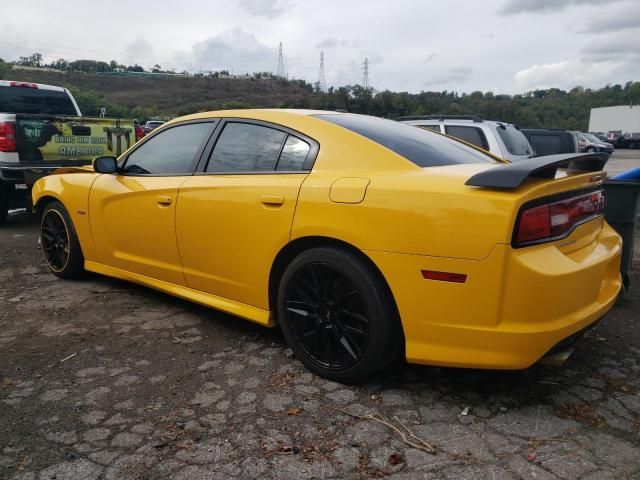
[103, 379]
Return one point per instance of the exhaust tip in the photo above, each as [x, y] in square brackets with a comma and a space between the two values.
[556, 359]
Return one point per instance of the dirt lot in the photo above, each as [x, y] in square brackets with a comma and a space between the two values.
[103, 379]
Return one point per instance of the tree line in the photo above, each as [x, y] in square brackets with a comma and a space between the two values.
[550, 108]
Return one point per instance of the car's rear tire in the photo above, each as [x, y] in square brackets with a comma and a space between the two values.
[60, 243]
[338, 315]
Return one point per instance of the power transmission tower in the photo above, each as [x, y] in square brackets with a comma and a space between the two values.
[365, 74]
[322, 83]
[280, 71]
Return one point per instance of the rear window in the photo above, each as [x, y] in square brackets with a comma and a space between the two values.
[424, 148]
[546, 144]
[514, 140]
[35, 101]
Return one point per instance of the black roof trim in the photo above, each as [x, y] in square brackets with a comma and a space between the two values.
[475, 118]
[514, 174]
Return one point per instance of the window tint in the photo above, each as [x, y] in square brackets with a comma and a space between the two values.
[472, 135]
[435, 128]
[546, 144]
[35, 101]
[514, 140]
[170, 152]
[424, 148]
[244, 147]
[293, 154]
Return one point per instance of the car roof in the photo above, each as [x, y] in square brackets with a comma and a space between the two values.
[249, 112]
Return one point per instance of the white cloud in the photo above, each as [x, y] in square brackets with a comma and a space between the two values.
[614, 20]
[266, 8]
[456, 74]
[332, 42]
[139, 51]
[234, 49]
[571, 73]
[543, 6]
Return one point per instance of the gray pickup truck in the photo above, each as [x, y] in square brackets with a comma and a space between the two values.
[42, 129]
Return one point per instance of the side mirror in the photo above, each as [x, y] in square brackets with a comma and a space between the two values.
[105, 165]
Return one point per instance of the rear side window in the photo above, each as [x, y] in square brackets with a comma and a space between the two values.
[245, 147]
[35, 101]
[293, 155]
[435, 128]
[514, 140]
[472, 135]
[169, 152]
[417, 145]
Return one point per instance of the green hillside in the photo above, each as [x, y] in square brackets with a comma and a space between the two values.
[145, 96]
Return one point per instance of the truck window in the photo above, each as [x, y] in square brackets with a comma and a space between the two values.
[546, 144]
[472, 135]
[514, 140]
[35, 101]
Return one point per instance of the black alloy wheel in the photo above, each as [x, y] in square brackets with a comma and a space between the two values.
[60, 243]
[328, 316]
[55, 240]
[338, 315]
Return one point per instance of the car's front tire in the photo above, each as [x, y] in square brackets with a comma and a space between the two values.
[338, 315]
[60, 243]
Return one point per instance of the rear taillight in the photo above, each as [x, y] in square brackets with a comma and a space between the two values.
[557, 218]
[23, 84]
[7, 137]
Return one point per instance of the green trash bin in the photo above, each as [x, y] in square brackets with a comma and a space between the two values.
[621, 212]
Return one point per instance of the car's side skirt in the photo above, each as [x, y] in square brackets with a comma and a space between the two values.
[249, 312]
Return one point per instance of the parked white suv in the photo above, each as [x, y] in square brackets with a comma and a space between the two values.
[501, 139]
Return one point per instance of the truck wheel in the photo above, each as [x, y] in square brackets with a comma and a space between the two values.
[60, 243]
[5, 198]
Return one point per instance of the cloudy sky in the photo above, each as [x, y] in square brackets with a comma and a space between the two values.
[506, 46]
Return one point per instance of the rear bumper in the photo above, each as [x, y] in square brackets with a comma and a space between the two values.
[29, 172]
[515, 306]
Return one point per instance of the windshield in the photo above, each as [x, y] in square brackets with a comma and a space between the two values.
[514, 140]
[420, 146]
[591, 138]
[35, 101]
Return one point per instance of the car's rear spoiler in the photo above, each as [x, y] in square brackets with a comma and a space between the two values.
[514, 174]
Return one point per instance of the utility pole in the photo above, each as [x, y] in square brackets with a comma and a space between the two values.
[280, 71]
[365, 74]
[322, 83]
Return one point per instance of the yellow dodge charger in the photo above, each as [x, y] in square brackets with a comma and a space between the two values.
[363, 238]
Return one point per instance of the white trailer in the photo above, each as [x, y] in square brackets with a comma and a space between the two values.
[624, 118]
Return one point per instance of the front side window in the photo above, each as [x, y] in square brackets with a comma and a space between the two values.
[245, 147]
[472, 135]
[170, 152]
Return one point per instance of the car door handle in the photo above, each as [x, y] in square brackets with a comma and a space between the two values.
[272, 199]
[163, 200]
